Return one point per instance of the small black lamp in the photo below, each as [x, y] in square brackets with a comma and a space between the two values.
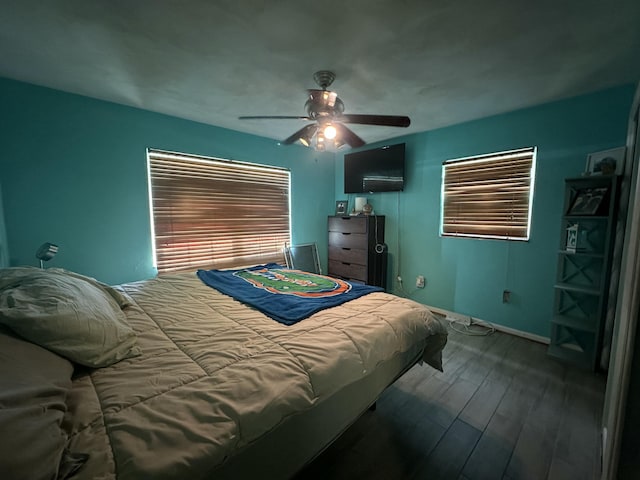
[46, 252]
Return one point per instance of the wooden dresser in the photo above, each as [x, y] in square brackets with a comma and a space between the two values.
[356, 249]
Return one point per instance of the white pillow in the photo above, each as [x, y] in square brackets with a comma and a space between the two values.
[67, 313]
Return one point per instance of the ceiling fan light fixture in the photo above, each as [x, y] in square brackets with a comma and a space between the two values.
[304, 135]
[305, 141]
[320, 141]
[330, 132]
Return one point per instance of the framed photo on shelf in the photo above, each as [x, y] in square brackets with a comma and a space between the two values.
[607, 162]
[572, 239]
[587, 201]
[341, 207]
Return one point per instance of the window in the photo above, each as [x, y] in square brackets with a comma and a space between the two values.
[210, 213]
[489, 196]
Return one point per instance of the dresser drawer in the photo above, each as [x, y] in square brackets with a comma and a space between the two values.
[348, 224]
[348, 240]
[348, 255]
[348, 271]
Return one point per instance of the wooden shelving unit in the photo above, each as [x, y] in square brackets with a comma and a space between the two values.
[584, 270]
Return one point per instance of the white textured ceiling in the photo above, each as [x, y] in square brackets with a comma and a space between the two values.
[439, 62]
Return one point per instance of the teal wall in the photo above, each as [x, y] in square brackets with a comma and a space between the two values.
[469, 275]
[4, 248]
[73, 172]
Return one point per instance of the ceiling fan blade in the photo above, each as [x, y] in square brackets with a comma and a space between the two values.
[347, 136]
[273, 117]
[306, 131]
[382, 120]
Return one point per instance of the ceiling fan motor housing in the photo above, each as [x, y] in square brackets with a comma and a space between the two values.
[322, 104]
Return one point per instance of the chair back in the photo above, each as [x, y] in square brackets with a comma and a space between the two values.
[303, 257]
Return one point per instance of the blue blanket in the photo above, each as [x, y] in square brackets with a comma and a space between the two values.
[283, 294]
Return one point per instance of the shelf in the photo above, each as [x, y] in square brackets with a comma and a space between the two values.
[586, 217]
[577, 288]
[582, 275]
[577, 357]
[578, 253]
[580, 324]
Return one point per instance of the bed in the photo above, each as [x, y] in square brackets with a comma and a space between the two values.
[198, 384]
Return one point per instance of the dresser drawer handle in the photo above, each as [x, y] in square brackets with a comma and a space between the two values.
[346, 233]
[345, 263]
[345, 248]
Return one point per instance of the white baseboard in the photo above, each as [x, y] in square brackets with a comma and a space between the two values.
[501, 328]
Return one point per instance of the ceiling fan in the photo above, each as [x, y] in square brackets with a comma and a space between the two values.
[325, 109]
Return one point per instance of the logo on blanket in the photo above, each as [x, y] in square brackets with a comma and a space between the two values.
[294, 282]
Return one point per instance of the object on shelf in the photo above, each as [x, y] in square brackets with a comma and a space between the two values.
[572, 238]
[588, 201]
[606, 162]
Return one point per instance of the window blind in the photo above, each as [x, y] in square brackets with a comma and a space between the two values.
[210, 213]
[489, 196]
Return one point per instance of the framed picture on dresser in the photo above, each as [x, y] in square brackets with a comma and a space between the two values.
[341, 207]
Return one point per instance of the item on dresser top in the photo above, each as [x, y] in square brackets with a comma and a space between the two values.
[360, 203]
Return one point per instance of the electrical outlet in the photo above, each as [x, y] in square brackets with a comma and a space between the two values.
[420, 281]
[506, 296]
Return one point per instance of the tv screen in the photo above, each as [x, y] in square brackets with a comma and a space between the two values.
[376, 170]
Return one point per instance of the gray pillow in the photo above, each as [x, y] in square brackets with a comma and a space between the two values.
[34, 383]
[67, 313]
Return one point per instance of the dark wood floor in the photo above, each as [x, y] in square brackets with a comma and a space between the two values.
[502, 409]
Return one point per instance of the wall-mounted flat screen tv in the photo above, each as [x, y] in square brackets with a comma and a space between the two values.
[375, 170]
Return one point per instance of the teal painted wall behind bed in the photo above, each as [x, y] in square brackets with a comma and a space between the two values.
[4, 248]
[468, 275]
[73, 172]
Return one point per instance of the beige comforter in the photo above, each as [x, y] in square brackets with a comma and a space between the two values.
[215, 375]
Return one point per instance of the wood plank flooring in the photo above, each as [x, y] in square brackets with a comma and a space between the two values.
[502, 409]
